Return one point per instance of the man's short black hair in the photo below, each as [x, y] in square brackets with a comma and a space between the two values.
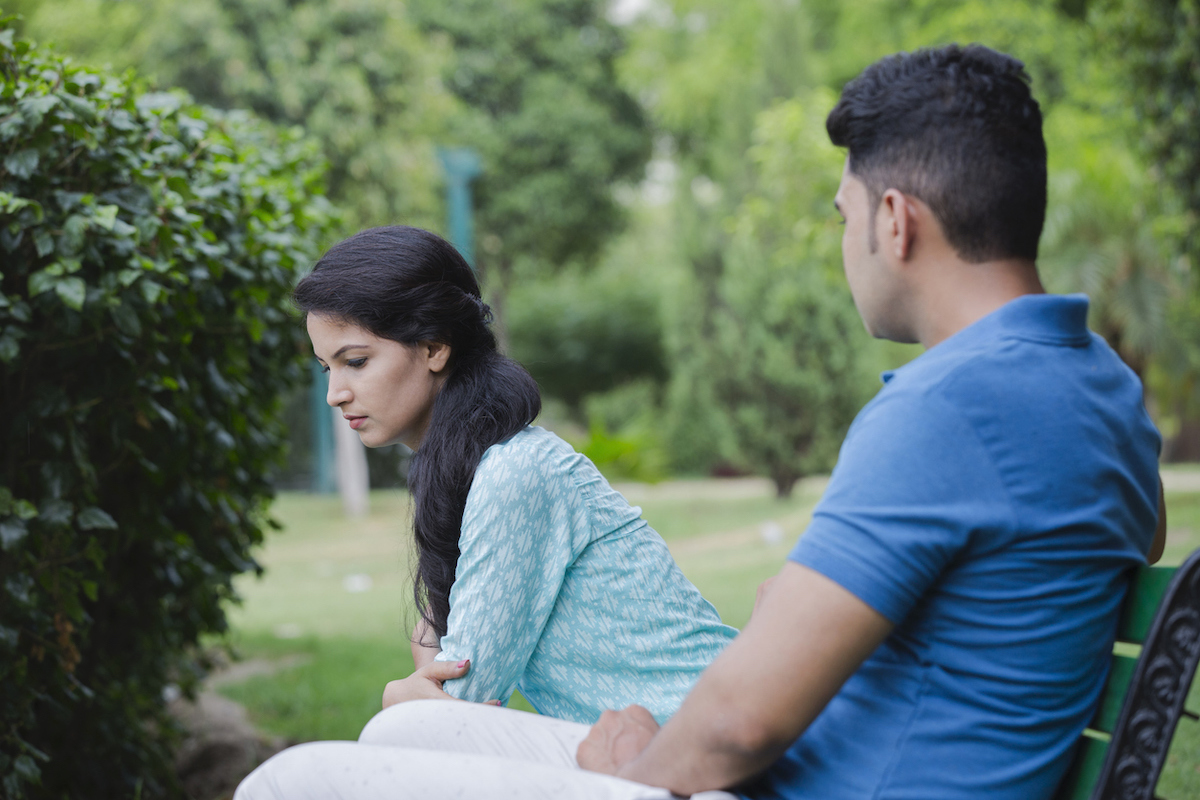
[958, 128]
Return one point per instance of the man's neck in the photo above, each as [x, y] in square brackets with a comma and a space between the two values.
[958, 294]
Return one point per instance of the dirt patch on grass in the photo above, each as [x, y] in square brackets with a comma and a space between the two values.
[221, 746]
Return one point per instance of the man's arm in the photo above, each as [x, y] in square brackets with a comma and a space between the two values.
[807, 636]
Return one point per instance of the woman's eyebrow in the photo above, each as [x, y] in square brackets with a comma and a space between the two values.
[344, 348]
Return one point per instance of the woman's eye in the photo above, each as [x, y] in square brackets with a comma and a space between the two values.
[356, 362]
[324, 367]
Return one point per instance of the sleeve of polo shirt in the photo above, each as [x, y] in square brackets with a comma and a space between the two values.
[913, 485]
[513, 555]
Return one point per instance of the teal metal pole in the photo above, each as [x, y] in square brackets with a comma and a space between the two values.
[461, 165]
[322, 433]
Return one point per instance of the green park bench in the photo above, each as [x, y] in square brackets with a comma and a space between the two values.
[1121, 754]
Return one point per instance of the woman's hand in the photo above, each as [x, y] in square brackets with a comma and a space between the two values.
[425, 683]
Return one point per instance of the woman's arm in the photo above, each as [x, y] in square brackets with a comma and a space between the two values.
[424, 645]
[521, 518]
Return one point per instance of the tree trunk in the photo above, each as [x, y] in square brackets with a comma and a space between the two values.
[785, 480]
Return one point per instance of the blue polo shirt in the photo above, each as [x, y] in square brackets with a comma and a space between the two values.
[989, 502]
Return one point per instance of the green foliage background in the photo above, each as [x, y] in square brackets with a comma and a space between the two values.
[148, 247]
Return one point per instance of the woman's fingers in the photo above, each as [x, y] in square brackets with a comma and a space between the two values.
[444, 670]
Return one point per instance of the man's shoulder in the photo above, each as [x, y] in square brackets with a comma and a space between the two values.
[1013, 370]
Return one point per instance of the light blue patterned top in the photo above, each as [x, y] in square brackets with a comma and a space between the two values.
[563, 591]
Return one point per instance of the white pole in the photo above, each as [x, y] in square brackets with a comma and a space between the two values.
[352, 477]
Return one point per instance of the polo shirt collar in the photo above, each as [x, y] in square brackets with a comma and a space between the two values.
[1047, 318]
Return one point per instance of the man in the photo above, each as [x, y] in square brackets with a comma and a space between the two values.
[936, 631]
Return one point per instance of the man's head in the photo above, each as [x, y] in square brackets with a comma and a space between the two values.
[955, 133]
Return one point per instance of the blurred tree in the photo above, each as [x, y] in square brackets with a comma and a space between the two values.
[1101, 236]
[786, 365]
[355, 74]
[554, 128]
[705, 68]
[1158, 44]
[582, 334]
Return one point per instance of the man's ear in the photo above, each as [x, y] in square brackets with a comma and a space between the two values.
[437, 354]
[896, 224]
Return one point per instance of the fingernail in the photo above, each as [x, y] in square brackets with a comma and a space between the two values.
[463, 663]
[497, 703]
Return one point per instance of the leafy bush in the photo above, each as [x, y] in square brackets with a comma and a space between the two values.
[625, 432]
[357, 76]
[147, 249]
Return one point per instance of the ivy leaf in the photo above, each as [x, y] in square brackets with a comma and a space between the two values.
[126, 320]
[73, 232]
[92, 518]
[12, 531]
[73, 292]
[27, 768]
[10, 348]
[151, 291]
[105, 217]
[43, 241]
[57, 512]
[34, 109]
[81, 108]
[41, 281]
[9, 637]
[22, 163]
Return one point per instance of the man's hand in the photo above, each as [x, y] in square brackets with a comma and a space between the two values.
[618, 738]
[425, 683]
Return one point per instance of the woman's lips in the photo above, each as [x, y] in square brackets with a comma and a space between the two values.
[356, 422]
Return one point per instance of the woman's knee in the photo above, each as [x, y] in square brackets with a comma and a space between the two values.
[416, 723]
[294, 773]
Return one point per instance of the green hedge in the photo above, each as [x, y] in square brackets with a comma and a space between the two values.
[147, 248]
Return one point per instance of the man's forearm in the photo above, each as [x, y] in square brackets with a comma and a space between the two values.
[710, 743]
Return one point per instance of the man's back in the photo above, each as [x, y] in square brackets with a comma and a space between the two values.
[988, 502]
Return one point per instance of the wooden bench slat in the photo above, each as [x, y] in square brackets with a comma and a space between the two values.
[1115, 688]
[1146, 589]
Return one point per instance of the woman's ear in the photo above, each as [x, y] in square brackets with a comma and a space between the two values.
[436, 355]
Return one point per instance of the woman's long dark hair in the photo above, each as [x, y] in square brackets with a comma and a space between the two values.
[410, 286]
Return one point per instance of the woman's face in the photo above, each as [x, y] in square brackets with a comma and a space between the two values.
[384, 389]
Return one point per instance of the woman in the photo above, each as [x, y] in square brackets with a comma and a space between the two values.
[532, 572]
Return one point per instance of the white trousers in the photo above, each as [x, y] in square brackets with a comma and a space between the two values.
[435, 749]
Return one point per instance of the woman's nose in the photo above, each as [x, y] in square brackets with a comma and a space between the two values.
[338, 392]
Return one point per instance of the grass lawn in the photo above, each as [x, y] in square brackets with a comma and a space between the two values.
[335, 597]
